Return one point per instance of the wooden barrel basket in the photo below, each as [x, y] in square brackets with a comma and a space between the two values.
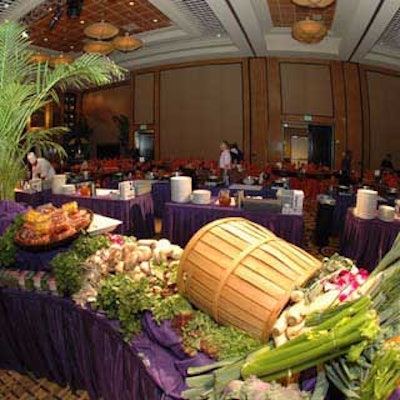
[242, 274]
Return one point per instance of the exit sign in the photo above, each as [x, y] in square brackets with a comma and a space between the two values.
[307, 117]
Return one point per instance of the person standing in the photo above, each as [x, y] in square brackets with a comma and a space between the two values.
[236, 154]
[387, 163]
[225, 161]
[41, 168]
[346, 168]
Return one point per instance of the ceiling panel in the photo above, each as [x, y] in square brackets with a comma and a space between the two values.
[391, 36]
[284, 13]
[67, 35]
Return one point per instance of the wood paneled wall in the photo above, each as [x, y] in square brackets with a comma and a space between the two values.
[360, 102]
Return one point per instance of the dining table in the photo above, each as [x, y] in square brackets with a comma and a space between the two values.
[136, 214]
[182, 220]
[366, 241]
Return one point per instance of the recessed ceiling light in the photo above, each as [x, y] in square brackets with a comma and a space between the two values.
[82, 21]
[155, 20]
[218, 35]
[25, 34]
[6, 5]
[50, 9]
[131, 3]
[45, 39]
[72, 47]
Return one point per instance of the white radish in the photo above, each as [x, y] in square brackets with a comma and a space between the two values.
[324, 301]
[296, 296]
[280, 325]
[296, 330]
[163, 244]
[296, 313]
[280, 340]
[165, 253]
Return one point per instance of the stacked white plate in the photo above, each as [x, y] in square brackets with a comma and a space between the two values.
[68, 189]
[181, 189]
[386, 213]
[201, 197]
[367, 201]
[58, 181]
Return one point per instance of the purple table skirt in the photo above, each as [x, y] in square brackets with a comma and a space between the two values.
[33, 199]
[137, 214]
[60, 341]
[264, 192]
[367, 241]
[8, 211]
[161, 193]
[182, 221]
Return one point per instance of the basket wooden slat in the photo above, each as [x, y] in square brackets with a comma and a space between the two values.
[242, 274]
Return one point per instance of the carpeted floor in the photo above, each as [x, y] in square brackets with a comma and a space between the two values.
[15, 386]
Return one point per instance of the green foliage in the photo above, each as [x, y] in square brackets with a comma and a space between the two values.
[25, 88]
[86, 245]
[68, 272]
[124, 299]
[169, 307]
[8, 249]
[68, 266]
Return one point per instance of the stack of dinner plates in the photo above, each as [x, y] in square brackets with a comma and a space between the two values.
[181, 189]
[68, 189]
[201, 197]
[367, 201]
[386, 213]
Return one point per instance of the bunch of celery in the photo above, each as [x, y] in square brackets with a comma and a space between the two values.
[347, 331]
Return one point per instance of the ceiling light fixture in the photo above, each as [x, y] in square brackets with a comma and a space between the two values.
[101, 30]
[38, 58]
[127, 43]
[155, 20]
[61, 59]
[309, 31]
[313, 3]
[98, 46]
[74, 8]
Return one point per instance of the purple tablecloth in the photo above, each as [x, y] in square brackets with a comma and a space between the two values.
[161, 193]
[182, 221]
[367, 241]
[8, 211]
[264, 192]
[137, 214]
[32, 199]
[56, 339]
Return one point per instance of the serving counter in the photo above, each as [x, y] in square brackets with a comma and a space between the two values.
[367, 240]
[182, 221]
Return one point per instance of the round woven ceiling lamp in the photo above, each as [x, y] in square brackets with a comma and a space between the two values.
[127, 43]
[309, 31]
[39, 58]
[313, 3]
[61, 59]
[101, 30]
[98, 46]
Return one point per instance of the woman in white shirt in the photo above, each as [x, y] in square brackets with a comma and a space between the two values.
[225, 161]
[41, 168]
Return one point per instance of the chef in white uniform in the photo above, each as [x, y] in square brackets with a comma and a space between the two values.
[41, 168]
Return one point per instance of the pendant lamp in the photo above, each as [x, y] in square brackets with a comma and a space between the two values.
[101, 30]
[313, 3]
[309, 31]
[98, 46]
[127, 43]
[61, 59]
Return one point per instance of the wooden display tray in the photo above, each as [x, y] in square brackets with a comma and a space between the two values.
[55, 244]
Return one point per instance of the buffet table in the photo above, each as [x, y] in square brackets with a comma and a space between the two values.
[182, 221]
[58, 340]
[367, 240]
[137, 213]
[33, 199]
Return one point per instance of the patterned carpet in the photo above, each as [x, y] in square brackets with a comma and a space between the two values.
[15, 386]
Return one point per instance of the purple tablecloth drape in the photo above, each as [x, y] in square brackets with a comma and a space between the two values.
[343, 202]
[264, 192]
[8, 211]
[137, 214]
[34, 199]
[56, 339]
[161, 193]
[367, 241]
[182, 221]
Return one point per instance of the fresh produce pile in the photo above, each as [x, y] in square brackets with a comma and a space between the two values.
[48, 224]
[343, 320]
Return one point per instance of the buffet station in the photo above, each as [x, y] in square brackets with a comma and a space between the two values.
[237, 310]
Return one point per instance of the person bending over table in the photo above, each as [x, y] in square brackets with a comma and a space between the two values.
[41, 168]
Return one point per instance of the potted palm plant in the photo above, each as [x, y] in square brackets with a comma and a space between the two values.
[25, 88]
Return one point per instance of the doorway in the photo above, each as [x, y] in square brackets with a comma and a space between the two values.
[303, 143]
